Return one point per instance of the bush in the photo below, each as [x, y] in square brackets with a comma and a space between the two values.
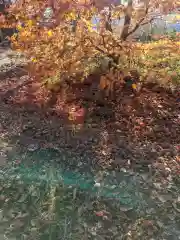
[56, 53]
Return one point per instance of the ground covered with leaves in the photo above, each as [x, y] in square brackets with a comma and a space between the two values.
[114, 177]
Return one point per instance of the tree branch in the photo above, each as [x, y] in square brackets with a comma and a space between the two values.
[140, 23]
[104, 52]
[127, 20]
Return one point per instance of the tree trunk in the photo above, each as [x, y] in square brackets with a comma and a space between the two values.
[127, 21]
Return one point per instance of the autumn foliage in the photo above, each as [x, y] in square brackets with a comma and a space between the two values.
[66, 46]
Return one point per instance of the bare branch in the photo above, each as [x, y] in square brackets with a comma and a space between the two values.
[140, 23]
[147, 22]
[127, 20]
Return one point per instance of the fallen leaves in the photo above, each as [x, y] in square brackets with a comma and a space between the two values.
[100, 213]
[103, 214]
[50, 33]
[132, 153]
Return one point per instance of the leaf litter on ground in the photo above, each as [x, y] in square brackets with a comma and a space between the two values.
[148, 155]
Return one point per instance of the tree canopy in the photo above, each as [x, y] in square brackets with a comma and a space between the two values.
[61, 41]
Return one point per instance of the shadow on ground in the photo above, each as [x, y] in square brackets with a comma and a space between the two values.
[132, 134]
[132, 131]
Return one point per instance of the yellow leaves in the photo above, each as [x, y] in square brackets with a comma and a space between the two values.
[71, 16]
[158, 61]
[17, 16]
[59, 51]
[89, 25]
[34, 60]
[19, 27]
[24, 35]
[30, 23]
[71, 116]
[118, 14]
[134, 86]
[50, 33]
[14, 37]
[107, 83]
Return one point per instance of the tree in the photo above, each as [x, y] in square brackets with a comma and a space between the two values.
[57, 53]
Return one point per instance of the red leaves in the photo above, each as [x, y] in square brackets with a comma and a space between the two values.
[142, 124]
[139, 124]
[103, 213]
[77, 114]
[99, 213]
[178, 147]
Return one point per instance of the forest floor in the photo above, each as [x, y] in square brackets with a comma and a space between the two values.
[139, 136]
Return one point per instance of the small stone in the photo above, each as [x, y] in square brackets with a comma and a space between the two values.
[97, 184]
[157, 185]
[129, 162]
[32, 147]
[126, 209]
[123, 170]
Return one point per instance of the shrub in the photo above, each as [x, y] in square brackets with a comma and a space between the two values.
[56, 53]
